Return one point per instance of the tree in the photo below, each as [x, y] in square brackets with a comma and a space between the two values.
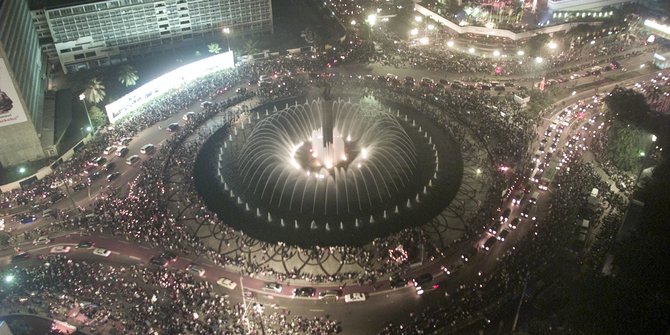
[250, 47]
[214, 48]
[625, 142]
[627, 105]
[128, 75]
[97, 116]
[537, 43]
[95, 91]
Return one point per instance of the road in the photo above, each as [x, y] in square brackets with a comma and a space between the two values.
[383, 303]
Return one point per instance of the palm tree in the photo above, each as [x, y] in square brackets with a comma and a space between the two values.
[128, 75]
[250, 47]
[95, 91]
[214, 48]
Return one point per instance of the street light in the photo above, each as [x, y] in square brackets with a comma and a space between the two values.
[82, 98]
[553, 45]
[22, 170]
[226, 32]
[496, 53]
[9, 278]
[414, 32]
[372, 19]
[520, 53]
[539, 60]
[471, 50]
[424, 40]
[450, 43]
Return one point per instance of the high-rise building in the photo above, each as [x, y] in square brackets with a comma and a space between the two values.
[22, 84]
[88, 34]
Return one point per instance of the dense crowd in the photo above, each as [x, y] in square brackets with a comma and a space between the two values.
[140, 300]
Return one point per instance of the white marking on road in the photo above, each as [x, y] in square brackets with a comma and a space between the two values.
[317, 310]
[135, 258]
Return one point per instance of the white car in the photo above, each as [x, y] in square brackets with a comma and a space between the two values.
[147, 149]
[196, 269]
[110, 149]
[355, 297]
[227, 283]
[61, 249]
[42, 240]
[272, 287]
[132, 159]
[188, 116]
[102, 252]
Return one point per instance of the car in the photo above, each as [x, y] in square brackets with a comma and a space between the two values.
[122, 151]
[515, 223]
[158, 261]
[26, 219]
[536, 178]
[85, 244]
[272, 287]
[422, 279]
[109, 150]
[495, 227]
[100, 161]
[61, 249]
[304, 292]
[89, 169]
[453, 268]
[330, 294]
[196, 269]
[109, 166]
[78, 187]
[489, 243]
[132, 159]
[227, 283]
[533, 197]
[188, 116]
[355, 297]
[124, 141]
[55, 197]
[505, 214]
[503, 235]
[397, 281]
[94, 176]
[427, 288]
[102, 252]
[525, 212]
[517, 199]
[172, 127]
[42, 240]
[468, 254]
[207, 104]
[112, 176]
[22, 256]
[147, 149]
[168, 256]
[544, 185]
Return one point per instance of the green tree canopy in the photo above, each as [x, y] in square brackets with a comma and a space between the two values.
[128, 75]
[627, 105]
[94, 91]
[214, 48]
[625, 143]
[98, 117]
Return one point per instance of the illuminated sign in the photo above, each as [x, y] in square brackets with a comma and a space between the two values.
[11, 110]
[171, 80]
[664, 28]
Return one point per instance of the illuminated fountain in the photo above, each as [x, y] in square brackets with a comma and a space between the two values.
[331, 169]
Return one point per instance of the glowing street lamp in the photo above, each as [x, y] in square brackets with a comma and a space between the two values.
[496, 53]
[553, 45]
[414, 32]
[471, 50]
[353, 22]
[539, 60]
[22, 170]
[450, 44]
[520, 53]
[424, 40]
[431, 27]
[418, 18]
[226, 32]
[9, 278]
[372, 19]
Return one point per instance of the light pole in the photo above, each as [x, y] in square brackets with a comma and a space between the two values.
[88, 117]
[226, 32]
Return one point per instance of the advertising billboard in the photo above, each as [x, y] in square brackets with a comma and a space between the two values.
[171, 80]
[11, 110]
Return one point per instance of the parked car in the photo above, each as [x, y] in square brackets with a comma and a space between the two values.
[304, 292]
[147, 149]
[42, 240]
[94, 176]
[109, 167]
[272, 287]
[112, 176]
[122, 151]
[22, 256]
[354, 297]
[397, 281]
[188, 116]
[132, 159]
[227, 283]
[330, 294]
[196, 269]
[124, 141]
[172, 127]
[85, 245]
[109, 150]
[61, 249]
[101, 252]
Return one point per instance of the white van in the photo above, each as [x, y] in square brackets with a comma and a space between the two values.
[147, 149]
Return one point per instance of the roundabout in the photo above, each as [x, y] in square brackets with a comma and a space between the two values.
[328, 172]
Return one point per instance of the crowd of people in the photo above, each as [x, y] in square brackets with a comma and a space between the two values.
[140, 300]
[144, 297]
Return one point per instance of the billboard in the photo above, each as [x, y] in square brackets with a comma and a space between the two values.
[11, 110]
[171, 80]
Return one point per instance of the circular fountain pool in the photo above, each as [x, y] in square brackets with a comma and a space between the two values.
[328, 172]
